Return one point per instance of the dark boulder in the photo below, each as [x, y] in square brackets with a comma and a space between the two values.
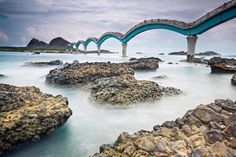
[222, 65]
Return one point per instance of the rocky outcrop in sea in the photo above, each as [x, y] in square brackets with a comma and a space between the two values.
[26, 114]
[83, 73]
[150, 63]
[222, 65]
[1, 75]
[233, 80]
[208, 130]
[50, 63]
[125, 90]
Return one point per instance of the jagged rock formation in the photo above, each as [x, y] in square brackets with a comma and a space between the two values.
[58, 42]
[233, 80]
[35, 43]
[55, 62]
[125, 90]
[26, 113]
[208, 130]
[82, 73]
[222, 65]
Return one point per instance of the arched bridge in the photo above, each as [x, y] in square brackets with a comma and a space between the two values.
[217, 16]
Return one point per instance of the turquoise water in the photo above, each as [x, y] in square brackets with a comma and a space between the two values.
[91, 124]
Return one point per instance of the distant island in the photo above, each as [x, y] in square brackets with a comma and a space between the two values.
[55, 45]
[207, 53]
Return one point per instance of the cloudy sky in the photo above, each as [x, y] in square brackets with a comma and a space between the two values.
[21, 20]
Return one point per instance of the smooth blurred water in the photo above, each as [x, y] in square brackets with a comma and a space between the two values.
[91, 124]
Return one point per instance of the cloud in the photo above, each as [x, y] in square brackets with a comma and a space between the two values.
[78, 19]
[3, 36]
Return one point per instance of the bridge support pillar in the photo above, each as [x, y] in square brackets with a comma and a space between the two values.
[124, 49]
[191, 41]
[85, 49]
[99, 49]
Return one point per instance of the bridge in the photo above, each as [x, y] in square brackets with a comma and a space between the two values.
[223, 13]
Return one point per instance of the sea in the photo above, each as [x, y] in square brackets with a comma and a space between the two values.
[92, 124]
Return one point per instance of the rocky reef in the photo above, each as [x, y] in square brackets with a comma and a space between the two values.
[150, 63]
[207, 130]
[54, 62]
[233, 80]
[124, 90]
[26, 114]
[222, 65]
[82, 73]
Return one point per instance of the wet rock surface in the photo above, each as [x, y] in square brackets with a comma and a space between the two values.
[150, 63]
[124, 90]
[222, 65]
[82, 73]
[207, 130]
[233, 80]
[26, 114]
[55, 62]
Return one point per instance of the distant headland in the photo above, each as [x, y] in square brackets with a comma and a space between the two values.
[57, 44]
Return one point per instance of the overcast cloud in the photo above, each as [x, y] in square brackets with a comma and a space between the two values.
[21, 20]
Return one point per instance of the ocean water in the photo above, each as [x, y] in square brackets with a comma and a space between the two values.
[91, 124]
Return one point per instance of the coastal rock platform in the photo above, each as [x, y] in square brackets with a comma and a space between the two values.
[82, 73]
[207, 130]
[123, 90]
[150, 63]
[26, 114]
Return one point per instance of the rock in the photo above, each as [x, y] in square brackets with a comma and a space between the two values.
[126, 89]
[139, 53]
[145, 143]
[83, 73]
[178, 53]
[150, 63]
[233, 80]
[222, 65]
[169, 63]
[183, 137]
[1, 75]
[36, 53]
[160, 77]
[55, 62]
[161, 54]
[208, 53]
[26, 114]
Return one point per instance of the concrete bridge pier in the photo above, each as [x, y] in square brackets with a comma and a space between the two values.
[99, 49]
[124, 49]
[191, 41]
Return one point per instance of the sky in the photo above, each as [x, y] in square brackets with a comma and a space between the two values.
[22, 20]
